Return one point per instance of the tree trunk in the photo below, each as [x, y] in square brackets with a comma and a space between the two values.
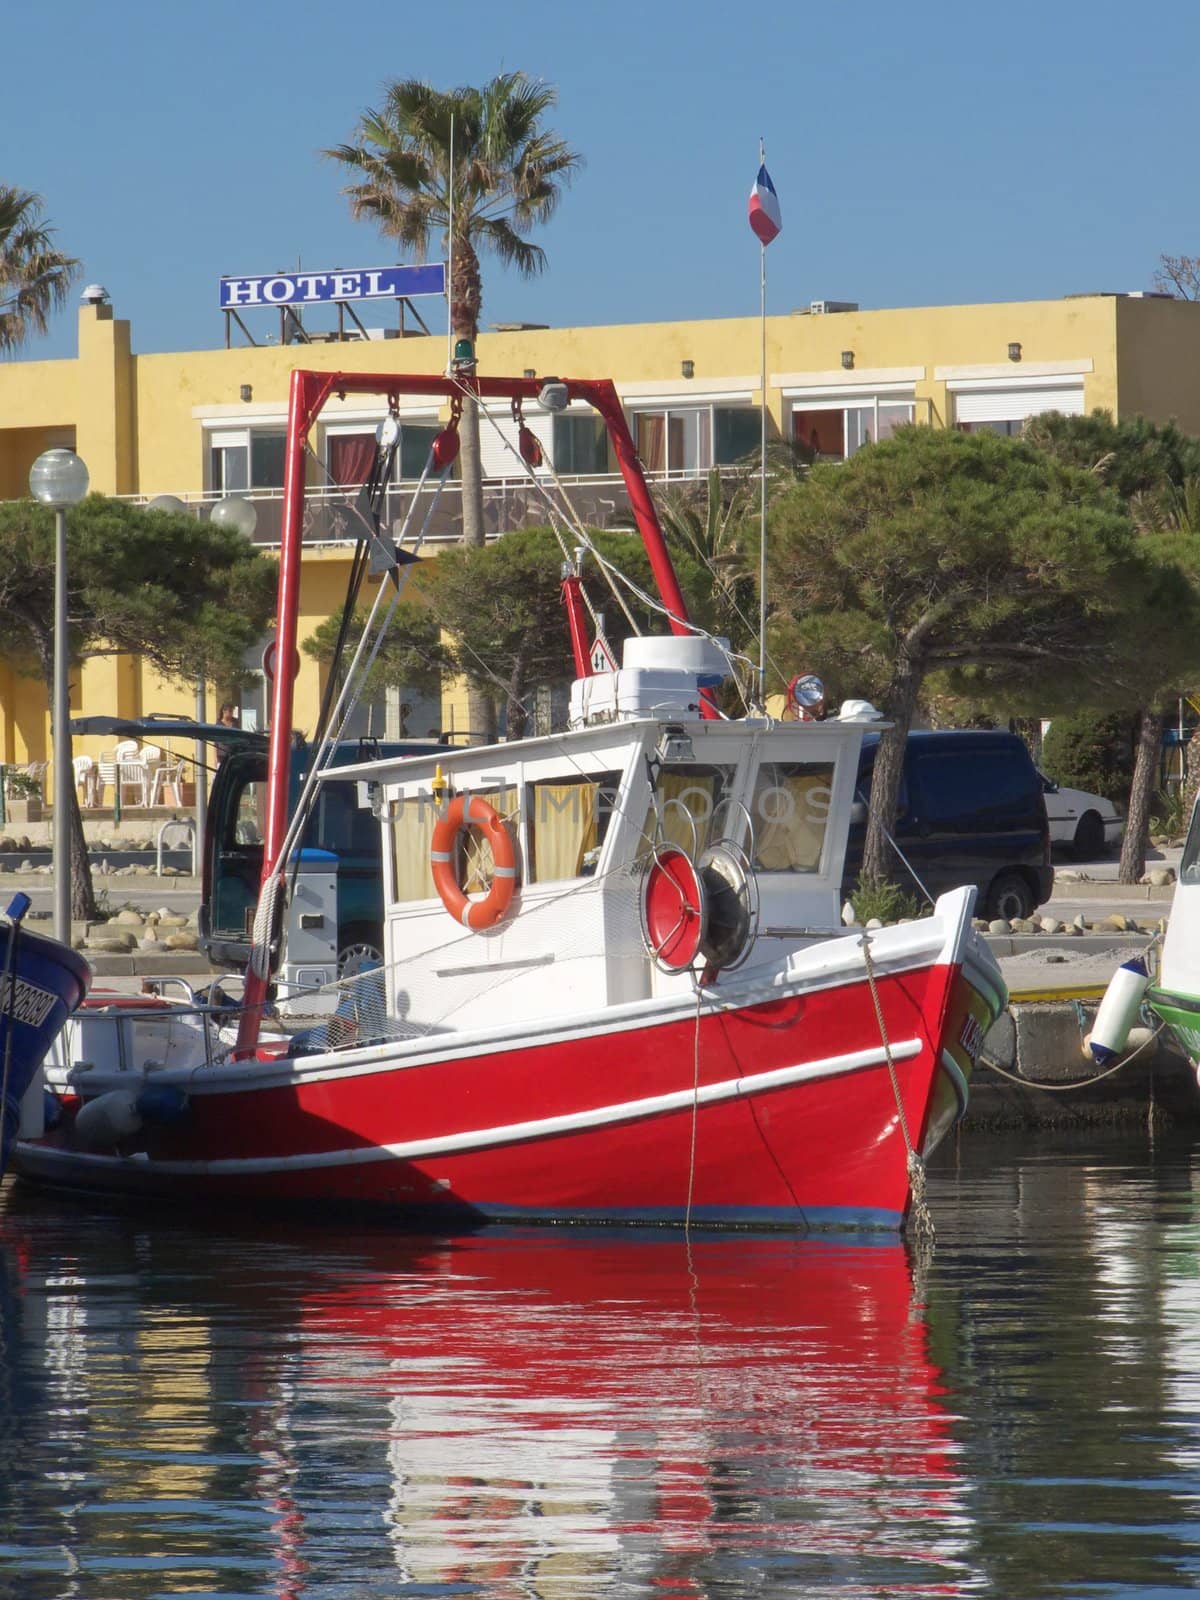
[518, 711]
[481, 711]
[1141, 793]
[466, 295]
[83, 895]
[899, 705]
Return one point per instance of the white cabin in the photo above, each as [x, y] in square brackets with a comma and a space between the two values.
[585, 809]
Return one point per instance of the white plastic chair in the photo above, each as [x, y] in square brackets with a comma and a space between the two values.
[167, 778]
[87, 780]
[125, 766]
[135, 782]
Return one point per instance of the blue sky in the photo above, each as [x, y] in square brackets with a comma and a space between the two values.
[924, 153]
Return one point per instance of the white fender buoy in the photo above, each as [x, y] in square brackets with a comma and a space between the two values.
[1115, 1017]
[109, 1118]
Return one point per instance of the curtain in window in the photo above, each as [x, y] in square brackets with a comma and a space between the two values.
[689, 803]
[413, 823]
[790, 811]
[350, 457]
[563, 828]
[652, 440]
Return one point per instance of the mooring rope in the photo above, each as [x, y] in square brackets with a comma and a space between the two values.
[687, 1215]
[919, 1214]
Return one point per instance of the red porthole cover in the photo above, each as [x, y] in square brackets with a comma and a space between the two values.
[673, 909]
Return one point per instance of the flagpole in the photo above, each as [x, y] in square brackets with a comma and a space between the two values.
[762, 540]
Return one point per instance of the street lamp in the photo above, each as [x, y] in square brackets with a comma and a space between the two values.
[237, 512]
[58, 478]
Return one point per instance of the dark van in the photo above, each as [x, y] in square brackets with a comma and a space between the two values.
[233, 848]
[971, 810]
[233, 836]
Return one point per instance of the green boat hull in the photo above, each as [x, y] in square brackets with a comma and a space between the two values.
[1181, 1013]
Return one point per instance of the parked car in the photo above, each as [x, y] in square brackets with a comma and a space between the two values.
[1088, 823]
[971, 810]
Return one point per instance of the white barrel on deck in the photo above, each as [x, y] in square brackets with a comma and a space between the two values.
[106, 1120]
[1118, 1010]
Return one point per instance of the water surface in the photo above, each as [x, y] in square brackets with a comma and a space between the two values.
[239, 1407]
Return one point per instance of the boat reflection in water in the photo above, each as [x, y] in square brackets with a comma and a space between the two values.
[598, 1409]
[506, 1414]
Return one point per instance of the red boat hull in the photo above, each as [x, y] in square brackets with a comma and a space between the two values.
[783, 1113]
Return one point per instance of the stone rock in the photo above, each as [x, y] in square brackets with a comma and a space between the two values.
[1115, 923]
[1025, 925]
[998, 925]
[171, 919]
[181, 941]
[1070, 931]
[1049, 924]
[128, 918]
[1061, 876]
[26, 866]
[114, 943]
[148, 944]
[1161, 876]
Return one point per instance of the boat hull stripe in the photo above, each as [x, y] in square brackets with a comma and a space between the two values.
[540, 1128]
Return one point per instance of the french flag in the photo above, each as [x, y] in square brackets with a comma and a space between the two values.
[765, 216]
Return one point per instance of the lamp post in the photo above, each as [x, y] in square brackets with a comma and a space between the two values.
[58, 478]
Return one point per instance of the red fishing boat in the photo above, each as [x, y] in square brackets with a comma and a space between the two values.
[615, 984]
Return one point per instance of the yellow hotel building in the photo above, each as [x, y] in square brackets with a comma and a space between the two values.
[203, 424]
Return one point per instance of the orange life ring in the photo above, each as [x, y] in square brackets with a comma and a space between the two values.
[464, 812]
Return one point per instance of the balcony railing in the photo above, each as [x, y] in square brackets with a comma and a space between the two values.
[331, 519]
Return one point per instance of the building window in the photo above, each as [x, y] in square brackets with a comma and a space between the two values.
[687, 440]
[829, 431]
[349, 455]
[1005, 410]
[580, 445]
[737, 433]
[246, 459]
[675, 441]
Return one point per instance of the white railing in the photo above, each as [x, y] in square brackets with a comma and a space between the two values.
[518, 502]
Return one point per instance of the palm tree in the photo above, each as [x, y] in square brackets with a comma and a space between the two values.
[34, 277]
[503, 178]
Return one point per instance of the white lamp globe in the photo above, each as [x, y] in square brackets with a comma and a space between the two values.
[235, 512]
[169, 503]
[58, 478]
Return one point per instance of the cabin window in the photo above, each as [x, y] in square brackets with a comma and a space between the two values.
[688, 807]
[568, 822]
[412, 821]
[789, 813]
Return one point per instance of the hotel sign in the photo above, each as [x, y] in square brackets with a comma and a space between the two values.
[318, 288]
